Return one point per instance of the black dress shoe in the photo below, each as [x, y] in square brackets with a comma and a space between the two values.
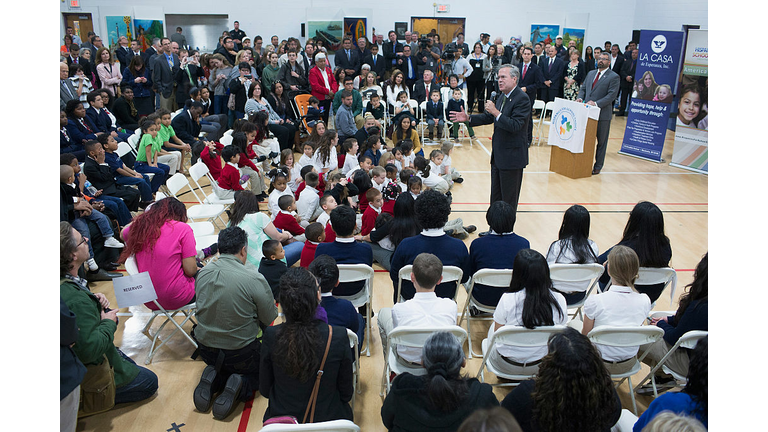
[470, 229]
[227, 400]
[484, 233]
[203, 395]
[595, 171]
[459, 180]
[101, 275]
[273, 155]
[109, 267]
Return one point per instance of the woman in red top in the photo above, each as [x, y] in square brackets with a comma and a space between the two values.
[323, 84]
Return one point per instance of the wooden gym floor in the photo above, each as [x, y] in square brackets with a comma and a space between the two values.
[682, 195]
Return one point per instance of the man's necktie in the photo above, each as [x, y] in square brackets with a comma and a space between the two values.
[349, 56]
[170, 62]
[597, 77]
[550, 64]
[525, 69]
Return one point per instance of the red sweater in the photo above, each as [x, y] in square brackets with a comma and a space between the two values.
[213, 162]
[369, 220]
[229, 178]
[330, 234]
[307, 254]
[320, 188]
[287, 222]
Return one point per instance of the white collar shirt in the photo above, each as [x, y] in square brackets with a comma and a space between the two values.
[425, 309]
[619, 306]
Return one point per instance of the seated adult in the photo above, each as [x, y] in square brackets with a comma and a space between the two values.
[125, 111]
[692, 314]
[440, 400]
[284, 131]
[163, 244]
[370, 127]
[100, 175]
[97, 324]
[323, 84]
[425, 309]
[432, 210]
[293, 76]
[101, 119]
[67, 144]
[484, 251]
[186, 124]
[79, 126]
[246, 215]
[529, 302]
[423, 87]
[344, 249]
[644, 233]
[693, 400]
[281, 102]
[572, 366]
[370, 86]
[357, 101]
[292, 353]
[234, 304]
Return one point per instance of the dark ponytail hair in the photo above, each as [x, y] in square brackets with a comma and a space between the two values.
[298, 339]
[532, 274]
[574, 234]
[446, 389]
[697, 290]
[421, 164]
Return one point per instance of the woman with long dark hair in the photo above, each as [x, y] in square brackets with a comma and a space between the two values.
[493, 61]
[529, 302]
[644, 233]
[291, 354]
[163, 244]
[475, 81]
[571, 392]
[573, 246]
[284, 131]
[137, 75]
[692, 314]
[693, 400]
[441, 399]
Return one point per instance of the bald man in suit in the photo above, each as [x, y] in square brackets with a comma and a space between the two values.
[600, 88]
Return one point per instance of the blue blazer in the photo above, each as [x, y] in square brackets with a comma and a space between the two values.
[69, 145]
[101, 120]
[555, 74]
[186, 129]
[80, 134]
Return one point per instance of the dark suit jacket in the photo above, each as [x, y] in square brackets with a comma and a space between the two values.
[67, 96]
[68, 145]
[122, 112]
[186, 129]
[380, 67]
[628, 69]
[352, 63]
[78, 133]
[390, 52]
[420, 92]
[146, 55]
[604, 93]
[618, 64]
[182, 82]
[101, 120]
[163, 75]
[124, 56]
[532, 81]
[415, 62]
[555, 74]
[590, 64]
[102, 178]
[510, 131]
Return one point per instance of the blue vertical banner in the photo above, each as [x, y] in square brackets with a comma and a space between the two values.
[659, 55]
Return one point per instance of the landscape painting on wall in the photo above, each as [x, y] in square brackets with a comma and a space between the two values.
[330, 33]
[146, 30]
[118, 26]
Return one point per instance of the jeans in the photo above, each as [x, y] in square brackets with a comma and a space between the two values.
[145, 187]
[220, 104]
[161, 173]
[81, 226]
[142, 387]
[293, 252]
[118, 207]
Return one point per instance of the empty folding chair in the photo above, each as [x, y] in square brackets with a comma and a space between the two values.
[208, 212]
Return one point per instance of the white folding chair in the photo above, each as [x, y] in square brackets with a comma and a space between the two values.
[177, 112]
[653, 276]
[515, 336]
[414, 337]
[356, 273]
[688, 341]
[538, 106]
[200, 170]
[636, 336]
[574, 273]
[490, 277]
[123, 148]
[226, 140]
[133, 142]
[450, 274]
[423, 123]
[626, 422]
[189, 311]
[208, 212]
[327, 426]
[544, 122]
[355, 366]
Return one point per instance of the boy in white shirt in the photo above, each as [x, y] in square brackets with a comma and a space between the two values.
[379, 178]
[308, 204]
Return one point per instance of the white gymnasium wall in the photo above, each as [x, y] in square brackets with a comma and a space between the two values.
[603, 20]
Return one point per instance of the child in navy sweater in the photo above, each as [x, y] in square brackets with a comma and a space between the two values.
[272, 266]
[434, 114]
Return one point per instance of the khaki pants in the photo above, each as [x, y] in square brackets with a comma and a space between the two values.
[678, 361]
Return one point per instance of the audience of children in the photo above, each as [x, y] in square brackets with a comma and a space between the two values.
[307, 205]
[456, 104]
[171, 143]
[350, 149]
[433, 113]
[324, 158]
[278, 186]
[149, 147]
[231, 179]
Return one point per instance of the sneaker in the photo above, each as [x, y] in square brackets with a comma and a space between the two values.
[203, 394]
[112, 242]
[459, 180]
[273, 155]
[92, 266]
[227, 400]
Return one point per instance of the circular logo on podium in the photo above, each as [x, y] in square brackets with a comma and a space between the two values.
[565, 123]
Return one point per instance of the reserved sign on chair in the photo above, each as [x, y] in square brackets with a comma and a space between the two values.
[133, 290]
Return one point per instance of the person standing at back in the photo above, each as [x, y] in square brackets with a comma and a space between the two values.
[166, 67]
[600, 88]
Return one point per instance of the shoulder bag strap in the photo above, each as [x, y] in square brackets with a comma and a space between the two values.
[313, 398]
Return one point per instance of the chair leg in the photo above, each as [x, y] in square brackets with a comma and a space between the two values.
[368, 324]
[469, 338]
[632, 395]
[149, 324]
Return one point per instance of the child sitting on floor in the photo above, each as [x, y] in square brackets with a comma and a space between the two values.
[272, 265]
[315, 234]
[287, 219]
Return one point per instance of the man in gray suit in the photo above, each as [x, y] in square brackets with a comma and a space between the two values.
[600, 88]
[67, 91]
[166, 67]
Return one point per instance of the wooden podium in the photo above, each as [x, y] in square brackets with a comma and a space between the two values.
[576, 165]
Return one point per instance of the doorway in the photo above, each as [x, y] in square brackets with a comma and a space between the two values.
[81, 23]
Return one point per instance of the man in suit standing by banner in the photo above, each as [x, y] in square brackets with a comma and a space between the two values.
[600, 88]
[627, 79]
[510, 115]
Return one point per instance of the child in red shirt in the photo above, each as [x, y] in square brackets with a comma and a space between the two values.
[286, 221]
[315, 235]
[375, 202]
[230, 178]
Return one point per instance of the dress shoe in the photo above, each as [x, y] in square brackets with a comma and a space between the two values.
[470, 229]
[273, 155]
[227, 400]
[595, 171]
[484, 233]
[203, 395]
[459, 180]
[110, 267]
[101, 275]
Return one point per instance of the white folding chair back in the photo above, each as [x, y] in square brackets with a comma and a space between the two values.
[626, 422]
[133, 142]
[538, 106]
[226, 140]
[414, 337]
[652, 276]
[327, 426]
[188, 310]
[688, 340]
[635, 336]
[200, 229]
[198, 211]
[200, 170]
[587, 273]
[177, 112]
[490, 277]
[515, 336]
[355, 366]
[123, 148]
[450, 274]
[356, 273]
[543, 122]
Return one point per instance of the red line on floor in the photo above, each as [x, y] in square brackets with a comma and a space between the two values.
[594, 204]
[246, 415]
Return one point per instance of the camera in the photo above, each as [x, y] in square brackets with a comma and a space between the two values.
[423, 43]
[450, 50]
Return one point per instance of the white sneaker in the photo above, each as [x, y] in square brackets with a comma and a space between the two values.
[92, 264]
[112, 242]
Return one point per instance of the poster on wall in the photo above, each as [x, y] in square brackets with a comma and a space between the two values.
[146, 30]
[544, 33]
[329, 33]
[118, 26]
[356, 26]
[658, 59]
[577, 35]
[400, 29]
[691, 130]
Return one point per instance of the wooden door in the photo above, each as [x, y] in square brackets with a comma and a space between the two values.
[81, 22]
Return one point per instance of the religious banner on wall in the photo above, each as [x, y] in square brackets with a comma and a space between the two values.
[658, 59]
[356, 26]
[691, 131]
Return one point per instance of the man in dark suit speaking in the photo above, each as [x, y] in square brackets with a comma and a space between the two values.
[600, 88]
[510, 115]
